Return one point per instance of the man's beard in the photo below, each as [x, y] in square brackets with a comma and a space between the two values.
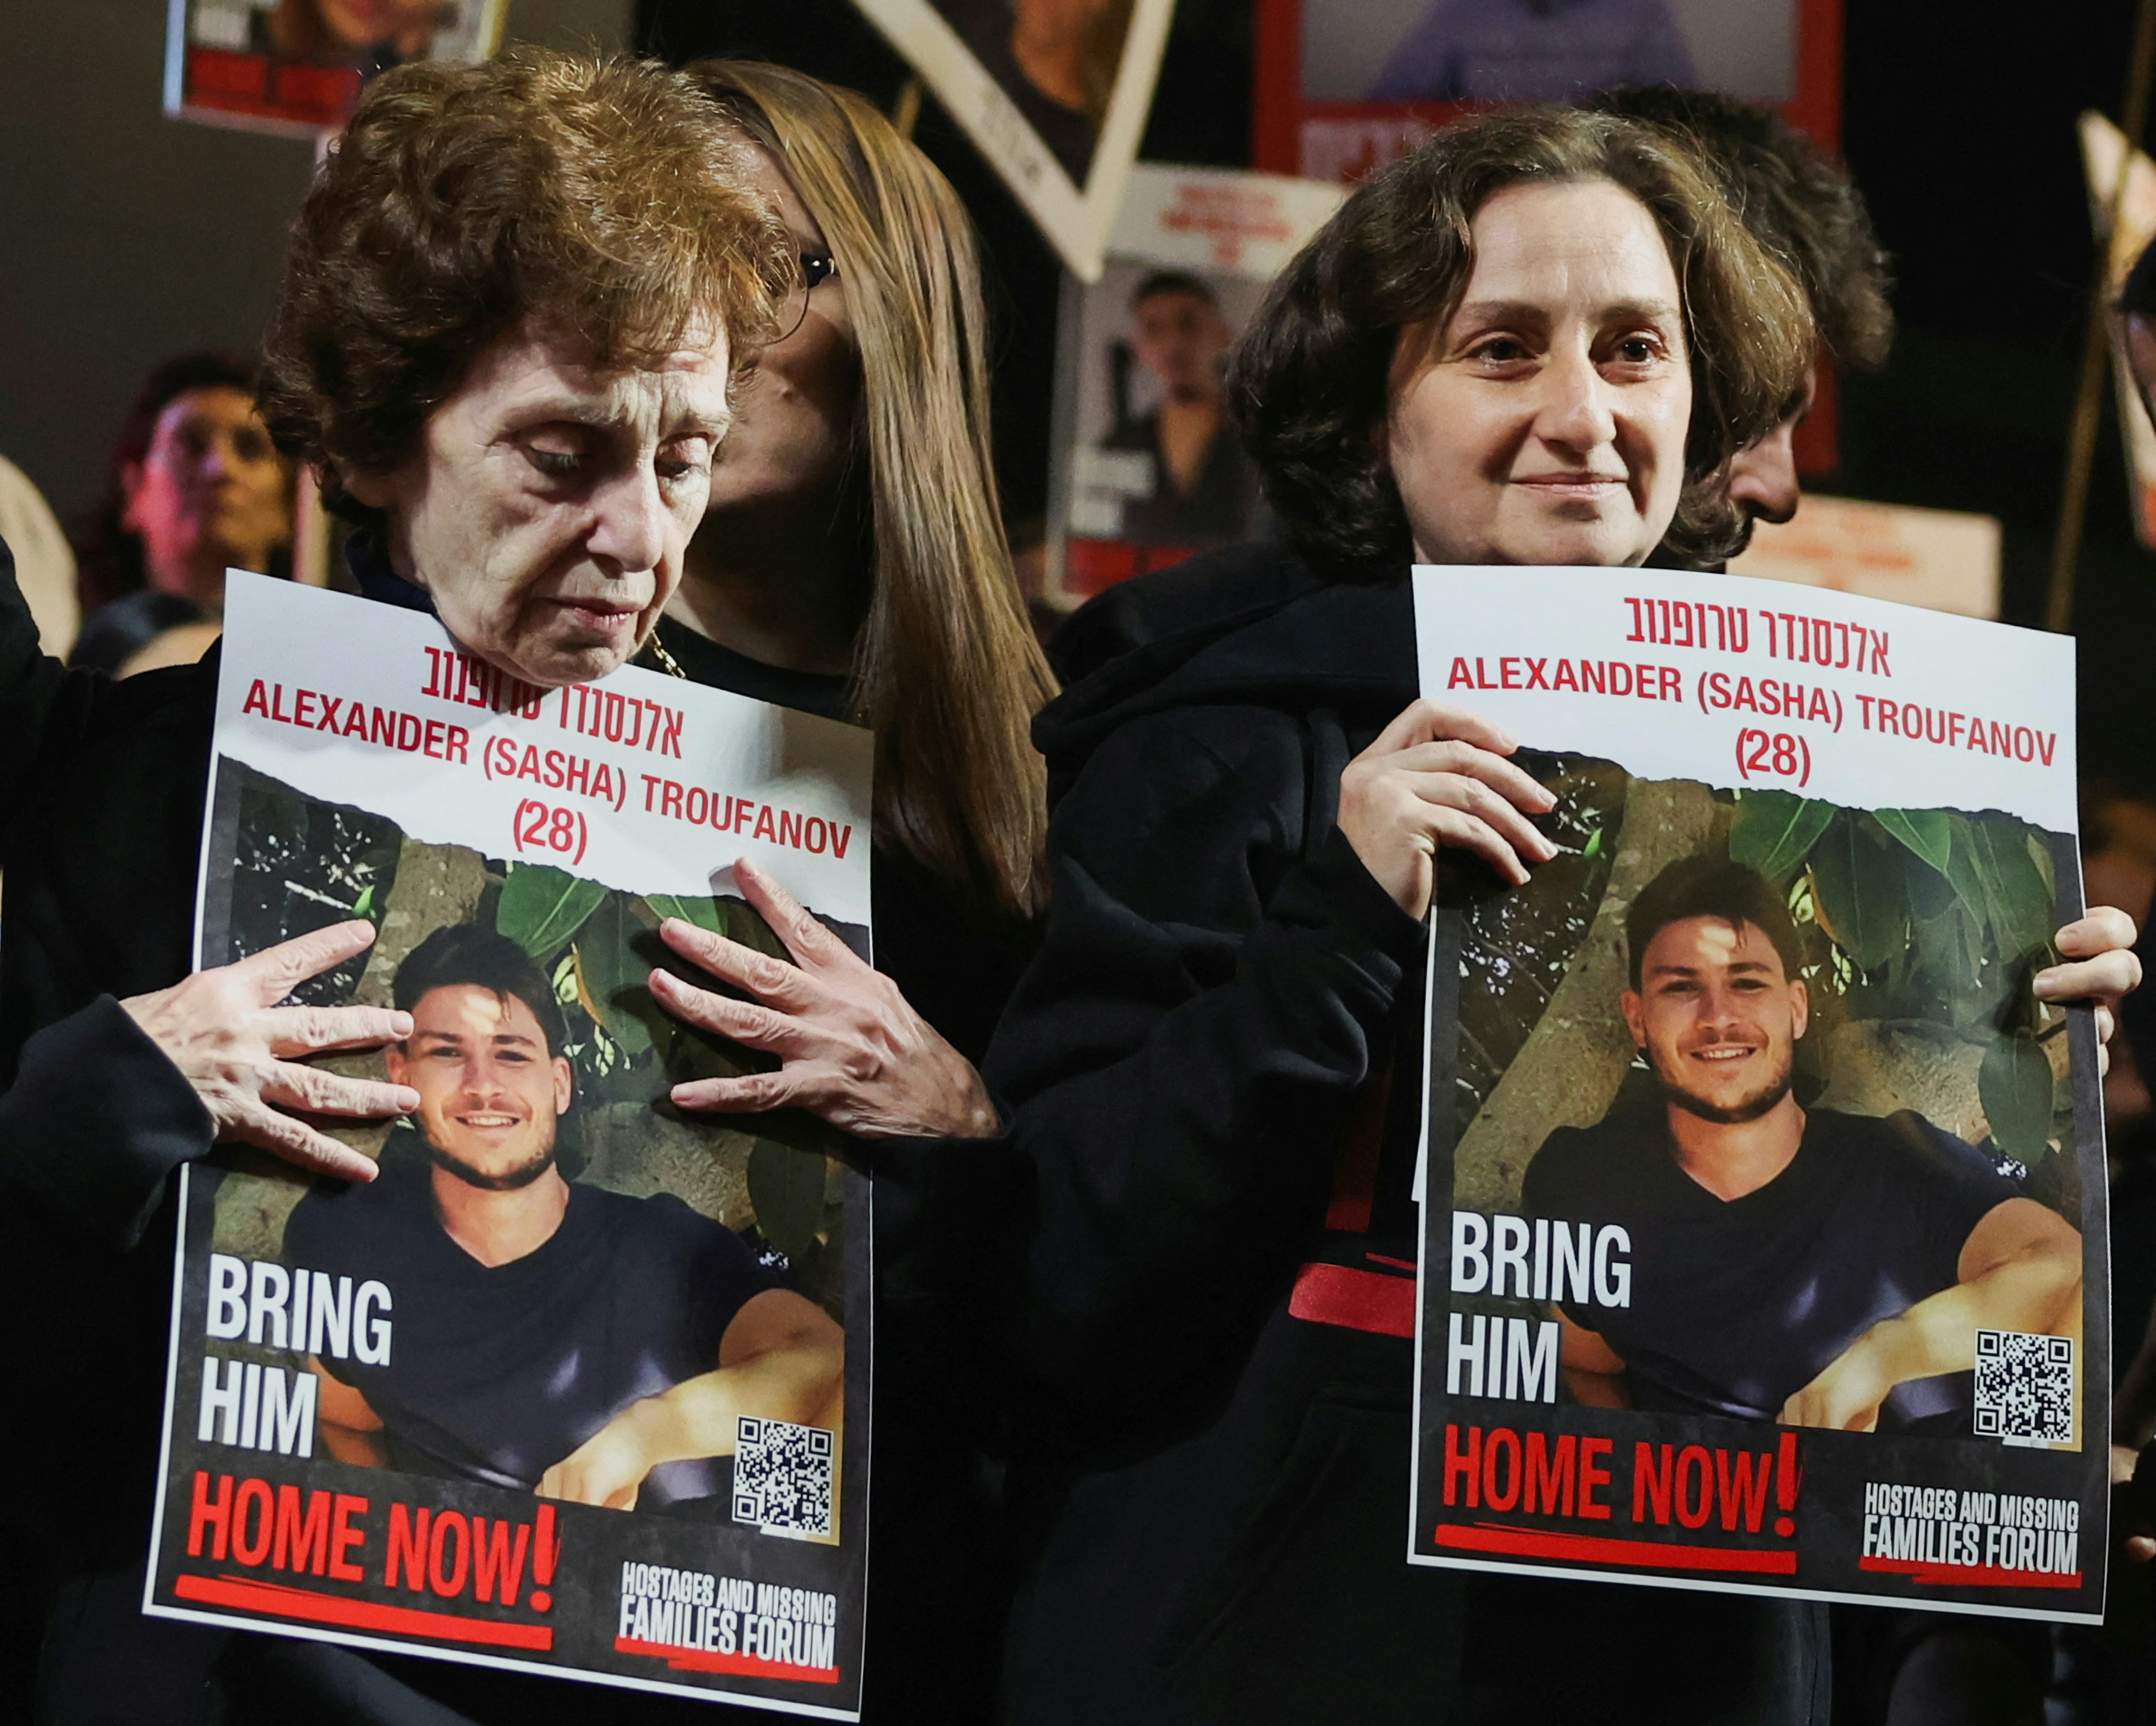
[1761, 1101]
[506, 1181]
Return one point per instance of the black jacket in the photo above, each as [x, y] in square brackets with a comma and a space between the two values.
[1221, 1484]
[1215, 1068]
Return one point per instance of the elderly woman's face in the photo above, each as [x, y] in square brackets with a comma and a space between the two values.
[546, 509]
[1544, 422]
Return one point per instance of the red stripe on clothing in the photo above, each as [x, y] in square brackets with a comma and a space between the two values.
[1354, 1300]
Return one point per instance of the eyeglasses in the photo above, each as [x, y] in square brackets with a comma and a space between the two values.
[816, 268]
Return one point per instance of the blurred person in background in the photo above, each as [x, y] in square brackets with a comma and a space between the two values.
[196, 489]
[1800, 203]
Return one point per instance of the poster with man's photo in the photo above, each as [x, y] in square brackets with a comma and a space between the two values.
[1147, 467]
[578, 1383]
[1054, 93]
[1764, 1202]
[1343, 86]
[296, 66]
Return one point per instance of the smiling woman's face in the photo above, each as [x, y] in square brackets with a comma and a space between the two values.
[548, 504]
[1544, 422]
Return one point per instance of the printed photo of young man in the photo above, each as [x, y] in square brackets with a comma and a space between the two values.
[1800, 1265]
[1204, 489]
[548, 1335]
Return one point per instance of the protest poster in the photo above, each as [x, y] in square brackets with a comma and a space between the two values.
[578, 1384]
[1343, 87]
[1054, 94]
[1764, 1206]
[296, 66]
[1147, 469]
[2122, 191]
[1943, 559]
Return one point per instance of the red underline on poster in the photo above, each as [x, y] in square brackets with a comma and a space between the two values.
[1969, 1576]
[696, 1660]
[1601, 1550]
[247, 1595]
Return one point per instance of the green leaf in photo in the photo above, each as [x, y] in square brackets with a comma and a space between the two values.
[1859, 893]
[614, 956]
[1928, 833]
[1772, 831]
[785, 1187]
[542, 907]
[2015, 1085]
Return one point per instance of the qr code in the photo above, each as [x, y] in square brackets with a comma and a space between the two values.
[783, 1477]
[2024, 1387]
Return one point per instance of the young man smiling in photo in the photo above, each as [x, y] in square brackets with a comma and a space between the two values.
[550, 1335]
[1805, 1266]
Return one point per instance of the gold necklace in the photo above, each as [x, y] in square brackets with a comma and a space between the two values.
[666, 660]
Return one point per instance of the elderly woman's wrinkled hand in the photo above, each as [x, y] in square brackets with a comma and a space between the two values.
[855, 1053]
[225, 1032]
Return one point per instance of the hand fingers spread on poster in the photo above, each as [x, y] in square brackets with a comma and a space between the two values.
[750, 1094]
[251, 1121]
[290, 1085]
[317, 1030]
[806, 939]
[899, 1080]
[743, 1020]
[276, 972]
[1489, 805]
[1427, 721]
[1513, 783]
[773, 981]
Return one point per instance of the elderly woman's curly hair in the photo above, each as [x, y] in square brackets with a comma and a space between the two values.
[1308, 380]
[604, 203]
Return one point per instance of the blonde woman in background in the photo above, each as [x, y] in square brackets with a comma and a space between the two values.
[852, 563]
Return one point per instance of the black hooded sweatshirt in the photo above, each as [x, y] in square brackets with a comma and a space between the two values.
[1213, 1070]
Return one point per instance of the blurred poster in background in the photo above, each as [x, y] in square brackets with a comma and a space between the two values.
[1345, 86]
[1148, 469]
[2129, 189]
[1943, 560]
[1054, 93]
[296, 66]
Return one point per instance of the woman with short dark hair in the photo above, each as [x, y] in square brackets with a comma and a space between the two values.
[1538, 341]
[1311, 376]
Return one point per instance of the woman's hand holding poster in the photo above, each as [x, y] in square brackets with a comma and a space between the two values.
[1764, 1199]
[578, 1382]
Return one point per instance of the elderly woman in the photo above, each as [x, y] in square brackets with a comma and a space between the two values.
[1539, 340]
[512, 307]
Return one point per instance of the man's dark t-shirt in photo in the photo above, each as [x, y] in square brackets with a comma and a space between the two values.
[1738, 1304]
[497, 1373]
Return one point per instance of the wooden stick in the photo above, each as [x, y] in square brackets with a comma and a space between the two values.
[2089, 401]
